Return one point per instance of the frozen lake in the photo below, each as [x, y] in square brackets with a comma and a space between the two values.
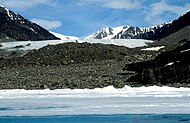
[142, 100]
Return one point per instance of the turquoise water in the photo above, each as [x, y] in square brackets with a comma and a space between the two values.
[124, 118]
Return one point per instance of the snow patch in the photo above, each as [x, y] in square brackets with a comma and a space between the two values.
[169, 64]
[185, 50]
[32, 29]
[153, 48]
[9, 14]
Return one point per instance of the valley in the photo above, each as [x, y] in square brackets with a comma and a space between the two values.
[117, 56]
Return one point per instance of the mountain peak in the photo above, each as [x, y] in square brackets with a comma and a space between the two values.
[15, 27]
[10, 14]
[117, 32]
[107, 33]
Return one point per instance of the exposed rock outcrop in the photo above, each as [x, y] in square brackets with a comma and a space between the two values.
[168, 68]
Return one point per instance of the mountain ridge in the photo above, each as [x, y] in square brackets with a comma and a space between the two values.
[15, 27]
[118, 32]
[150, 33]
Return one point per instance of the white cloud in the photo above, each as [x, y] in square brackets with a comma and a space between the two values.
[123, 4]
[24, 4]
[114, 4]
[157, 10]
[48, 24]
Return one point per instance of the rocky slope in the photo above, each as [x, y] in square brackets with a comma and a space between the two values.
[169, 68]
[15, 27]
[70, 65]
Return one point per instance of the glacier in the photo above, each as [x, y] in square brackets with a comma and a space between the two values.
[29, 45]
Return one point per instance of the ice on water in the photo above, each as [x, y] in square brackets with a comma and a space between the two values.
[108, 100]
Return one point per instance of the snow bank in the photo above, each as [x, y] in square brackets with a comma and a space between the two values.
[110, 91]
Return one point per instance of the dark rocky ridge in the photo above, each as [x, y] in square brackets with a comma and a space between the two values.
[15, 27]
[174, 40]
[168, 68]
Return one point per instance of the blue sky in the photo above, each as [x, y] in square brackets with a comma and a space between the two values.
[83, 17]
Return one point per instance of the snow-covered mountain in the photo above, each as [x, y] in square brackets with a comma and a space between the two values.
[13, 26]
[151, 33]
[134, 32]
[64, 37]
[121, 32]
[107, 33]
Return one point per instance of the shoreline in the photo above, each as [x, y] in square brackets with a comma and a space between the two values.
[150, 91]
